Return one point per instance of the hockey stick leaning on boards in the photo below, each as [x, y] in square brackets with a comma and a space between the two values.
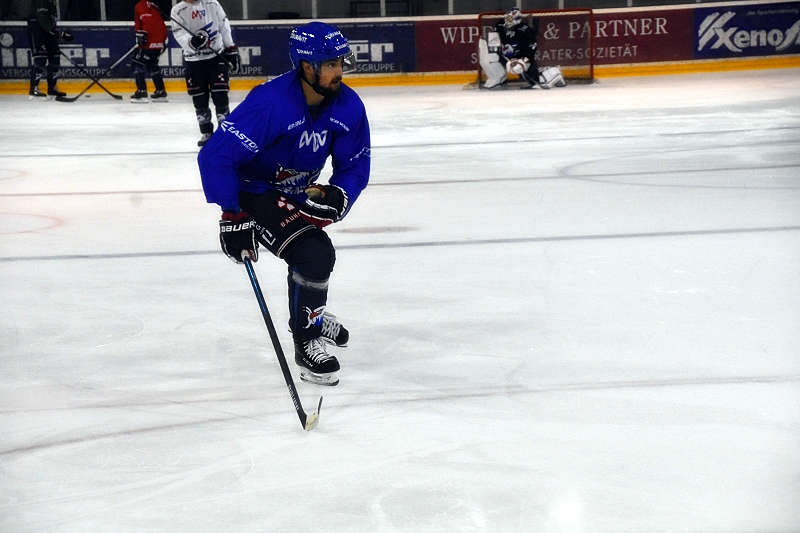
[308, 422]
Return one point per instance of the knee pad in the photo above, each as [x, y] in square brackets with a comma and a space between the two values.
[312, 255]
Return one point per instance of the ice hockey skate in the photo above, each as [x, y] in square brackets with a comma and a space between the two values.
[36, 93]
[140, 97]
[333, 332]
[204, 137]
[316, 364]
[159, 96]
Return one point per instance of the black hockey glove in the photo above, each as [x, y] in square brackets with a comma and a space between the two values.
[141, 38]
[231, 55]
[199, 40]
[237, 234]
[325, 205]
[66, 36]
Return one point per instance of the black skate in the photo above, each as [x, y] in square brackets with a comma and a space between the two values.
[159, 96]
[55, 93]
[204, 137]
[35, 92]
[139, 97]
[316, 365]
[333, 332]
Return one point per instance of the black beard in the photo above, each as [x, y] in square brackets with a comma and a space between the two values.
[328, 93]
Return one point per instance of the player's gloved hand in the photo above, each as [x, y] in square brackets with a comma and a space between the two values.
[66, 36]
[325, 204]
[508, 50]
[231, 55]
[141, 38]
[199, 40]
[237, 234]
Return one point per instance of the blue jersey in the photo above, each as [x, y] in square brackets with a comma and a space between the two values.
[272, 141]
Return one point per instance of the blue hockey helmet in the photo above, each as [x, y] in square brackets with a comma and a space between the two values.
[317, 42]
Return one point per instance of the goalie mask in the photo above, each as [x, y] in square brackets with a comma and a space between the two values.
[512, 18]
[317, 42]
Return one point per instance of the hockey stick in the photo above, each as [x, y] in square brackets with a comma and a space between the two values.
[95, 82]
[308, 422]
[86, 73]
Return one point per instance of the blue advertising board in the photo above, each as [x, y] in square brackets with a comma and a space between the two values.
[380, 47]
[747, 30]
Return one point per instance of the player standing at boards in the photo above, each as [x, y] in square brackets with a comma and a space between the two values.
[260, 168]
[44, 36]
[151, 37]
[202, 29]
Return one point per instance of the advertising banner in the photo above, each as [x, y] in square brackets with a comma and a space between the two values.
[642, 36]
[444, 45]
[747, 30]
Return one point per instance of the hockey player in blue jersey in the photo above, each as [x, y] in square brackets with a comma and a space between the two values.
[261, 165]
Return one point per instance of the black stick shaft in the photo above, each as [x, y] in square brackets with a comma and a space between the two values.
[86, 73]
[106, 71]
[287, 375]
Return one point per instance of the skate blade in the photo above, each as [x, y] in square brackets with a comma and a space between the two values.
[139, 101]
[333, 343]
[328, 380]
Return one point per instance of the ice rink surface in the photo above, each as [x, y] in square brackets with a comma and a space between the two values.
[570, 311]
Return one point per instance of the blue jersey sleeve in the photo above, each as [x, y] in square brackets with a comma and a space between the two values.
[236, 142]
[351, 159]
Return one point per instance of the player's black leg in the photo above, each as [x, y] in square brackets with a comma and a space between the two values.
[154, 71]
[138, 61]
[311, 258]
[38, 72]
[197, 85]
[220, 88]
[53, 66]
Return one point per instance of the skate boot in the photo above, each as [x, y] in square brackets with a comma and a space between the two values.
[316, 365]
[56, 93]
[204, 137]
[139, 97]
[333, 332]
[159, 96]
[35, 92]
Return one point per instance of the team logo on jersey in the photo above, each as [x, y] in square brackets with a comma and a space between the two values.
[313, 139]
[198, 13]
[314, 316]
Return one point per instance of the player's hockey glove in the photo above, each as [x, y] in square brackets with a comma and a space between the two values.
[66, 36]
[141, 38]
[199, 40]
[231, 55]
[325, 204]
[237, 233]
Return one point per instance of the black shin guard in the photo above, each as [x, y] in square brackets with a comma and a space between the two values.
[311, 259]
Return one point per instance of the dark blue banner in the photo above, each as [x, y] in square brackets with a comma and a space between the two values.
[747, 30]
[381, 47]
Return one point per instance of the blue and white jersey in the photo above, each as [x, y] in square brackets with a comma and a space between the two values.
[272, 141]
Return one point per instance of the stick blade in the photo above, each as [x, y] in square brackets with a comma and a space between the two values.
[313, 418]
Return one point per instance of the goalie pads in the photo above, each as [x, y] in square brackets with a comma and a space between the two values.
[490, 61]
[518, 66]
[551, 77]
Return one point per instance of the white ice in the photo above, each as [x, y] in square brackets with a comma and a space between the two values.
[571, 311]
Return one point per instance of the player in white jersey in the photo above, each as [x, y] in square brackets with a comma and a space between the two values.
[202, 29]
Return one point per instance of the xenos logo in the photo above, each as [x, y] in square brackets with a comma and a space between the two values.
[313, 139]
[713, 31]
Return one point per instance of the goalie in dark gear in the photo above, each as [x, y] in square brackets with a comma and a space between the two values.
[511, 49]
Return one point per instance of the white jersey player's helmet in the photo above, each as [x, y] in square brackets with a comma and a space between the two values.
[512, 18]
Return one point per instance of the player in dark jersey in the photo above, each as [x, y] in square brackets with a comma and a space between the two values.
[261, 165]
[44, 36]
[519, 42]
